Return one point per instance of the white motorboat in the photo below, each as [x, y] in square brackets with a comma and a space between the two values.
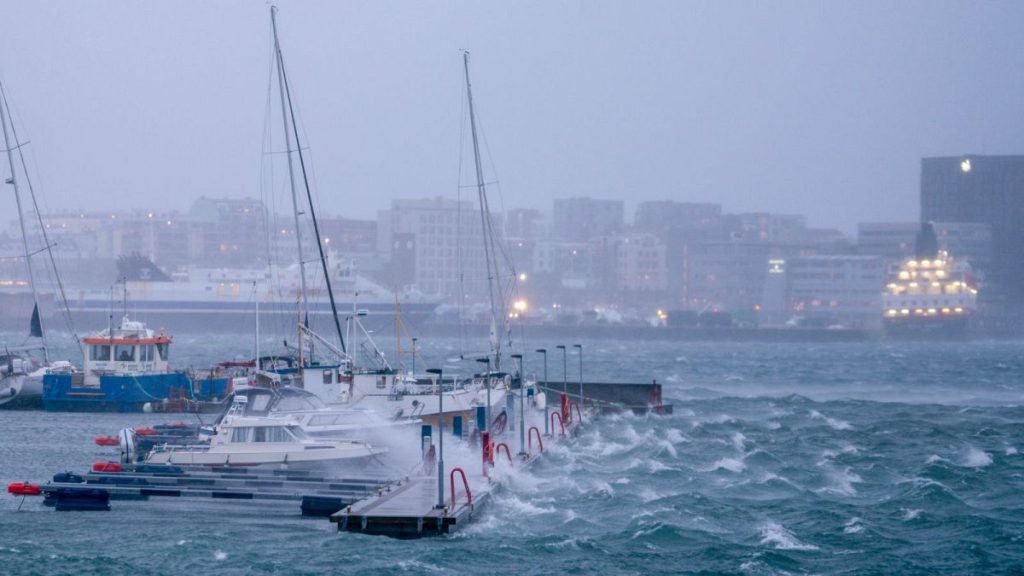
[240, 440]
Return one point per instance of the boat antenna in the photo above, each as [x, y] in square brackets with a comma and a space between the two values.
[13, 181]
[488, 227]
[287, 95]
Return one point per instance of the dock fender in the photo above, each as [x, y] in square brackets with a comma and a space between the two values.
[129, 448]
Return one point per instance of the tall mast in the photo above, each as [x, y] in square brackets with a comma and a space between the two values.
[488, 230]
[291, 170]
[21, 221]
[282, 77]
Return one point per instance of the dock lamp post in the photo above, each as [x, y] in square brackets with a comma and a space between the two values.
[544, 351]
[522, 412]
[440, 436]
[487, 383]
[565, 373]
[414, 356]
[579, 347]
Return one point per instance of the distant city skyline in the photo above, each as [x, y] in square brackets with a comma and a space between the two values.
[798, 108]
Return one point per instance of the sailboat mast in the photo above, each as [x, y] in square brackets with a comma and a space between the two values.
[21, 221]
[291, 169]
[485, 221]
[286, 93]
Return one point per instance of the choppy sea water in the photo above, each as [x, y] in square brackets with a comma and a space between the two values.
[779, 459]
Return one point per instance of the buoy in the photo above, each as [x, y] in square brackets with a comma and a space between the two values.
[24, 489]
[106, 441]
[106, 467]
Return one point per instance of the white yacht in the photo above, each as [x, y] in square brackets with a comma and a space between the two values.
[240, 440]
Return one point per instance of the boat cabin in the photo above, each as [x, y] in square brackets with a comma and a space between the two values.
[128, 349]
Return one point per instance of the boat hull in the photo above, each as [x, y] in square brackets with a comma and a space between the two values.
[21, 392]
[128, 393]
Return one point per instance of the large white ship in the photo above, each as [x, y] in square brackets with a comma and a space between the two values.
[240, 291]
[929, 294]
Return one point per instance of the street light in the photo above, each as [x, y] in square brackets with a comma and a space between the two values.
[544, 351]
[414, 340]
[565, 377]
[522, 392]
[487, 383]
[580, 348]
[440, 436]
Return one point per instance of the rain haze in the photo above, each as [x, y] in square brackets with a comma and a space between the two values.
[807, 108]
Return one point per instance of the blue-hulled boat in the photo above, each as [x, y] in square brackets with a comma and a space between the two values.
[126, 370]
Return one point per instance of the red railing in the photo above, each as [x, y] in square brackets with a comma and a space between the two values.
[578, 414]
[561, 423]
[465, 483]
[566, 414]
[507, 451]
[529, 437]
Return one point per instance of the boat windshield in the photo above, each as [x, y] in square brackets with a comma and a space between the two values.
[292, 402]
[297, 432]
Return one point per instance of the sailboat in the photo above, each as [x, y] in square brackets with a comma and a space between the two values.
[330, 369]
[21, 368]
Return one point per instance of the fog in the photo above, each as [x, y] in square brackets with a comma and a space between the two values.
[794, 108]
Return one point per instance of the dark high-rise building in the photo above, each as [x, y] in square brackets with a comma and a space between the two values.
[987, 190]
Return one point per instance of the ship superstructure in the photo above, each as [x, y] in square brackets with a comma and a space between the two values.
[931, 292]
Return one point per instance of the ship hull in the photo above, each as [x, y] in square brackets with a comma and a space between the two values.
[928, 328]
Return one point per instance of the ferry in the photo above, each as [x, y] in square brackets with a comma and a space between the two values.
[125, 369]
[931, 294]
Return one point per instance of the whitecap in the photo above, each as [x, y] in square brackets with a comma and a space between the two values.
[523, 508]
[730, 464]
[833, 423]
[843, 481]
[668, 447]
[910, 514]
[675, 436]
[1011, 451]
[976, 458]
[773, 425]
[854, 526]
[417, 566]
[739, 441]
[934, 458]
[183, 542]
[220, 555]
[775, 535]
[570, 515]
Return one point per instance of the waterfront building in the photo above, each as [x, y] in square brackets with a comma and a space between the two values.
[983, 190]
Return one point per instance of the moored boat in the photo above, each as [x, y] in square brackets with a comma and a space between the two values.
[125, 368]
[240, 440]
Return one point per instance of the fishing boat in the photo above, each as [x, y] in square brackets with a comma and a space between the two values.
[241, 440]
[126, 367]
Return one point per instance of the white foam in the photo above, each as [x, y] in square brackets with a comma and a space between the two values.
[843, 481]
[934, 458]
[773, 425]
[183, 542]
[668, 447]
[730, 464]
[523, 508]
[833, 423]
[976, 458]
[417, 566]
[1011, 451]
[739, 441]
[910, 514]
[220, 555]
[675, 436]
[775, 535]
[854, 526]
[570, 515]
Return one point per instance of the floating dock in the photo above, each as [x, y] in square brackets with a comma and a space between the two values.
[409, 507]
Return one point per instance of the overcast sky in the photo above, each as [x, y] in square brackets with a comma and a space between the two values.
[819, 108]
